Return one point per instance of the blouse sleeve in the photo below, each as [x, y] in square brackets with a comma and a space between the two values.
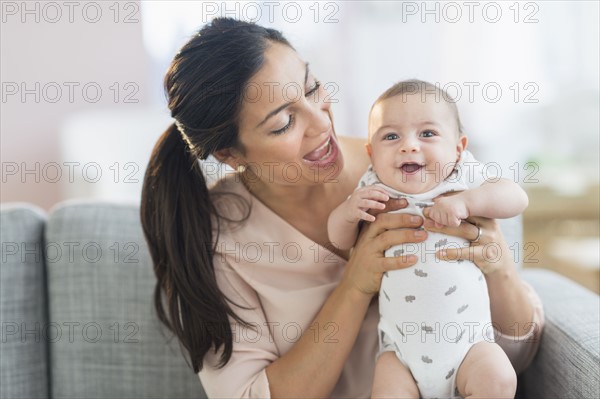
[521, 350]
[244, 376]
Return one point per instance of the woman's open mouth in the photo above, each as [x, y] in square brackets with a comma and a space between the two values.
[323, 154]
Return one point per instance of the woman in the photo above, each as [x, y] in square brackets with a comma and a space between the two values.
[247, 280]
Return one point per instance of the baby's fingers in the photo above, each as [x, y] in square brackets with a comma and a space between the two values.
[366, 217]
[454, 222]
[437, 218]
[375, 193]
[464, 230]
[370, 204]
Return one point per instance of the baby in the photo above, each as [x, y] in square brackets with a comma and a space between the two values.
[434, 315]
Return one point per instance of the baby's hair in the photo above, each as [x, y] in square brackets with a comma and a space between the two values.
[416, 86]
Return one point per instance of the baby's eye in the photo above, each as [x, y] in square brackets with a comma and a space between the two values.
[428, 133]
[390, 136]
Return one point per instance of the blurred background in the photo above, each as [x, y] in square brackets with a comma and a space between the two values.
[83, 104]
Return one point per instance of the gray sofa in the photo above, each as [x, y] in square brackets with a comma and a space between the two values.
[77, 318]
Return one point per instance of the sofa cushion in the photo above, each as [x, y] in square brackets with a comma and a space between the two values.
[567, 364]
[23, 312]
[100, 283]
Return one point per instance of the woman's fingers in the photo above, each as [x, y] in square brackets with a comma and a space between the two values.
[487, 257]
[398, 262]
[468, 231]
[391, 221]
[367, 262]
[392, 205]
[489, 252]
[389, 238]
[454, 254]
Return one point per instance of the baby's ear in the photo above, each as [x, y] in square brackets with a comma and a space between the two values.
[368, 148]
[461, 145]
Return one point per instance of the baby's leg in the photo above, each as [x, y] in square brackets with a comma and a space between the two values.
[393, 379]
[486, 372]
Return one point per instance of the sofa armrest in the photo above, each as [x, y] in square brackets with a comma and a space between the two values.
[23, 303]
[567, 364]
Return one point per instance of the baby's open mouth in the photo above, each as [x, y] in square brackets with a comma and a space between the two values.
[411, 167]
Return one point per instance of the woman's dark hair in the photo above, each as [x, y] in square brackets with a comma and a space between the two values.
[205, 89]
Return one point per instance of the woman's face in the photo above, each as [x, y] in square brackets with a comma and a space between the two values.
[285, 124]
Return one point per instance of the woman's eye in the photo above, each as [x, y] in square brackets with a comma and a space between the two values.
[428, 133]
[390, 136]
[313, 89]
[286, 127]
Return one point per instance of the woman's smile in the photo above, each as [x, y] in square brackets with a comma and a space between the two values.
[324, 154]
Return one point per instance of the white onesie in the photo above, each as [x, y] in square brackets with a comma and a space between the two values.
[433, 312]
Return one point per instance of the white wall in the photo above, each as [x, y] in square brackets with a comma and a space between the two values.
[41, 52]
[361, 50]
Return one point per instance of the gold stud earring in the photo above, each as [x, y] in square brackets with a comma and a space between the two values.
[241, 168]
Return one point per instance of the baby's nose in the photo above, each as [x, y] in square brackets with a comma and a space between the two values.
[409, 145]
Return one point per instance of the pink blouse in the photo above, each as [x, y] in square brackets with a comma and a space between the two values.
[267, 265]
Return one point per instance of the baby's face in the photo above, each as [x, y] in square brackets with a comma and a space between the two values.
[414, 142]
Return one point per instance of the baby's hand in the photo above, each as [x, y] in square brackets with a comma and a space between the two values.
[363, 199]
[448, 210]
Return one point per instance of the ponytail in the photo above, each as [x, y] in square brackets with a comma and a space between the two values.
[205, 86]
[176, 213]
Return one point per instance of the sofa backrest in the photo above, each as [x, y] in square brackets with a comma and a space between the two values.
[100, 286]
[76, 308]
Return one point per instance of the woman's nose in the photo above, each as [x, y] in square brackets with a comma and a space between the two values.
[319, 117]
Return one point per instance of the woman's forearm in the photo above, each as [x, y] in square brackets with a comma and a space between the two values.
[311, 368]
[511, 308]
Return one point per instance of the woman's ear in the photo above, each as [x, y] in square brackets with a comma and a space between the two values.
[229, 156]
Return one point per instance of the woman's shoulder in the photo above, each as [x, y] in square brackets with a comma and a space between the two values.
[230, 200]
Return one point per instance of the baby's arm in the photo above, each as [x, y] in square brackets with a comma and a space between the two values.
[342, 225]
[499, 200]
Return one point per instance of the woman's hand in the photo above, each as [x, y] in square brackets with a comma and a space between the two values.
[512, 310]
[489, 251]
[367, 262]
